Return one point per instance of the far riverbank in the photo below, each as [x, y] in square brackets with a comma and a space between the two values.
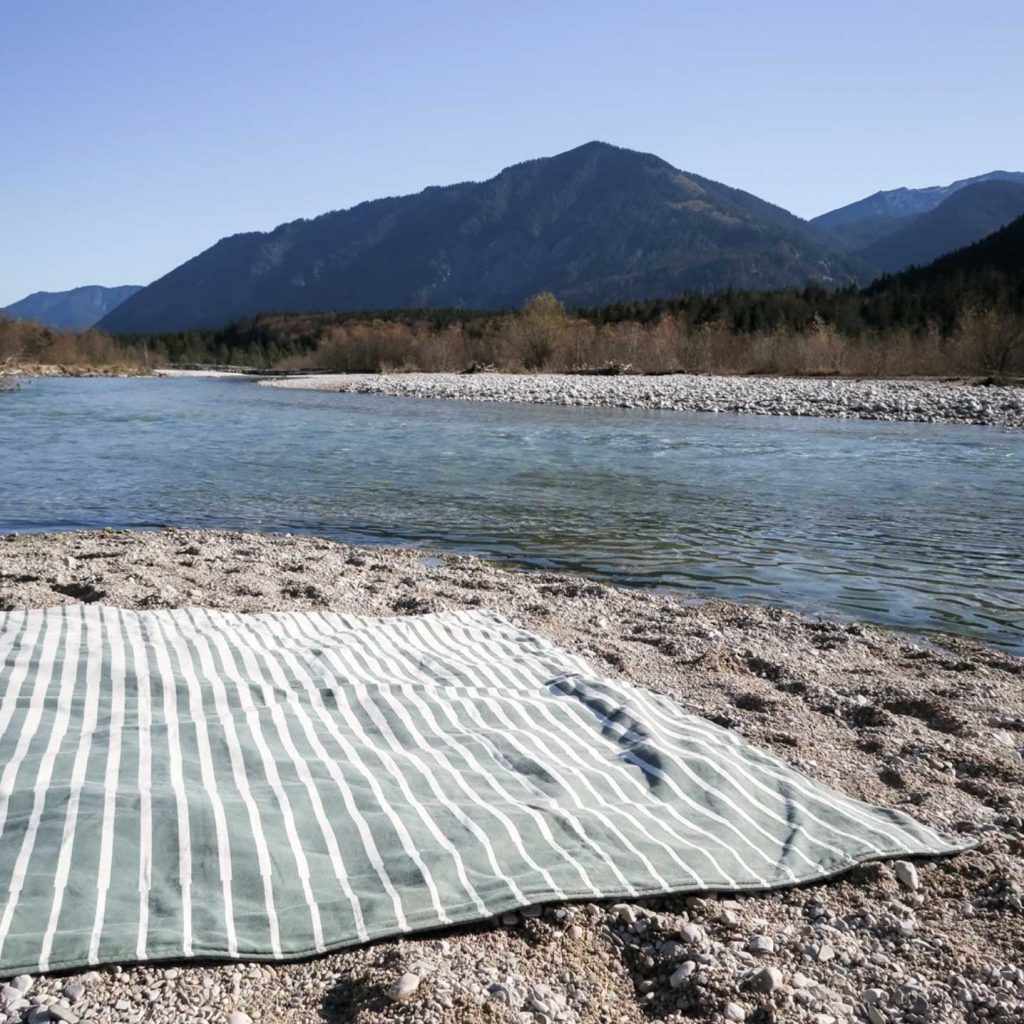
[916, 401]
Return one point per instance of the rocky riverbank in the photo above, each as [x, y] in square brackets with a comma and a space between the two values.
[77, 370]
[919, 401]
[935, 728]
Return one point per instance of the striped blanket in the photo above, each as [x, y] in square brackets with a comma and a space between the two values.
[204, 784]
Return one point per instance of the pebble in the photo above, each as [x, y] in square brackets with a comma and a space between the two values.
[922, 401]
[734, 1012]
[60, 1012]
[768, 979]
[625, 913]
[761, 944]
[906, 875]
[239, 1017]
[404, 988]
[682, 974]
[23, 983]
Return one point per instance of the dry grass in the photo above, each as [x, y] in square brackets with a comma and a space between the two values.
[545, 338]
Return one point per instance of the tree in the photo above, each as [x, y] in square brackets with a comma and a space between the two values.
[539, 328]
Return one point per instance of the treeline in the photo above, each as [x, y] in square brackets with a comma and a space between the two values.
[891, 331]
[962, 315]
[25, 343]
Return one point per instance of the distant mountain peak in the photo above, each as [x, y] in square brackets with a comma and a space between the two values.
[75, 309]
[905, 202]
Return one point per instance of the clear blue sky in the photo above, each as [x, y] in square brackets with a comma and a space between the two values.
[137, 133]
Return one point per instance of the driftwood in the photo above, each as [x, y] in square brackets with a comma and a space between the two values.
[611, 370]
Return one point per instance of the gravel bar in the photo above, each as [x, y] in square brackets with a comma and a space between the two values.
[933, 727]
[917, 401]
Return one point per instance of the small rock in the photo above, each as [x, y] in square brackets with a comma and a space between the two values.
[625, 913]
[874, 1014]
[239, 1017]
[692, 934]
[906, 875]
[761, 944]
[574, 931]
[60, 1012]
[768, 979]
[682, 974]
[404, 988]
[23, 983]
[735, 1012]
[72, 993]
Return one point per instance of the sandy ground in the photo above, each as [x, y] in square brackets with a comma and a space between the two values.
[933, 727]
[920, 401]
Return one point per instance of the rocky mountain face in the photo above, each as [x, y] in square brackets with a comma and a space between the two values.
[71, 310]
[597, 224]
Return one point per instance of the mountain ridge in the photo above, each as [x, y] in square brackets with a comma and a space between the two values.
[967, 216]
[595, 223]
[903, 201]
[72, 309]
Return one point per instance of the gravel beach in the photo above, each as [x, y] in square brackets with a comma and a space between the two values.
[919, 401]
[932, 727]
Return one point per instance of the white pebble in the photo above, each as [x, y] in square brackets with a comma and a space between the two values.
[682, 973]
[906, 875]
[404, 988]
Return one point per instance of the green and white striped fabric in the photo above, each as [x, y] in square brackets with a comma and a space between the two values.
[204, 784]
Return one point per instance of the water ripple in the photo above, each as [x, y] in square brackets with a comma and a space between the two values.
[909, 525]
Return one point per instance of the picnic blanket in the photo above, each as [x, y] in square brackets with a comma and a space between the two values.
[198, 783]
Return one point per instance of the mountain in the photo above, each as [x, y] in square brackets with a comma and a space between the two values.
[981, 284]
[995, 260]
[900, 203]
[72, 310]
[594, 225]
[965, 217]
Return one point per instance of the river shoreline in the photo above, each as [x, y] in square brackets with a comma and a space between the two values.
[911, 400]
[935, 728]
[917, 401]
